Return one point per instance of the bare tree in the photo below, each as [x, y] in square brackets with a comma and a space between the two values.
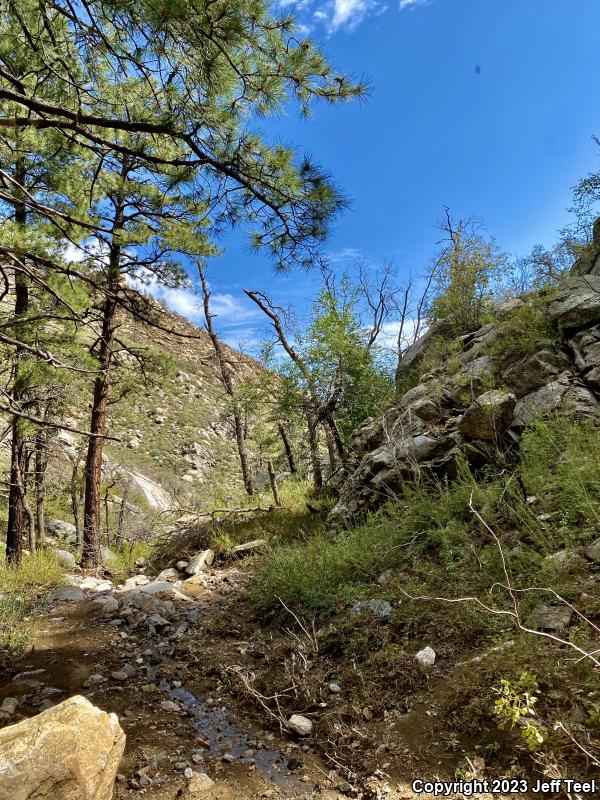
[311, 402]
[225, 374]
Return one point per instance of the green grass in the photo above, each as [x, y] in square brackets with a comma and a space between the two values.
[22, 596]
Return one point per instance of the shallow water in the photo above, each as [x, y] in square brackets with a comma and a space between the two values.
[220, 731]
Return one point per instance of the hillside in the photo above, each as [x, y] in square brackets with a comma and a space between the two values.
[175, 447]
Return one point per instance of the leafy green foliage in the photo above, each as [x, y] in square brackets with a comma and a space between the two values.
[515, 706]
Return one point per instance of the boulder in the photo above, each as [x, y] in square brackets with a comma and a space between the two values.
[62, 529]
[593, 551]
[199, 561]
[67, 594]
[564, 560]
[560, 394]
[534, 372]
[550, 618]
[169, 574]
[489, 416]
[65, 559]
[109, 559]
[412, 355]
[577, 303]
[69, 752]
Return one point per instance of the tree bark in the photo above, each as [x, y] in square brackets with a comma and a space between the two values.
[18, 458]
[313, 441]
[90, 558]
[287, 447]
[273, 481]
[227, 381]
[41, 466]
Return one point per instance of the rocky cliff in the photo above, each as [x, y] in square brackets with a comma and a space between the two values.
[470, 396]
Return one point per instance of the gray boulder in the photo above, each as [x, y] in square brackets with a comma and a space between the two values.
[109, 559]
[442, 328]
[489, 416]
[64, 558]
[198, 562]
[593, 551]
[67, 594]
[62, 530]
[577, 303]
[550, 618]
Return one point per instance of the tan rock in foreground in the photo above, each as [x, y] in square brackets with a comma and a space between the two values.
[69, 752]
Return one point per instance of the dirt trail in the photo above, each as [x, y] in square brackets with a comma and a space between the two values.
[176, 712]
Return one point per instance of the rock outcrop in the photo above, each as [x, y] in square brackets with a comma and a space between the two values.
[69, 752]
[478, 406]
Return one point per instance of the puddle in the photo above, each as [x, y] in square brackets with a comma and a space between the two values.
[220, 731]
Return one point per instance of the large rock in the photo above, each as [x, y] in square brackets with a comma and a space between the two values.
[62, 530]
[559, 395]
[489, 416]
[65, 559]
[443, 328]
[69, 752]
[534, 372]
[577, 303]
[200, 561]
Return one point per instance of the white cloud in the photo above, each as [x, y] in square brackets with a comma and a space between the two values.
[408, 4]
[336, 15]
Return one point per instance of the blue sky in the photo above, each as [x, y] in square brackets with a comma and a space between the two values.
[486, 106]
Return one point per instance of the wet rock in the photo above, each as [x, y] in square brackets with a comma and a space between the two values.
[10, 705]
[69, 752]
[550, 618]
[426, 657]
[380, 608]
[67, 594]
[300, 725]
[489, 416]
[200, 561]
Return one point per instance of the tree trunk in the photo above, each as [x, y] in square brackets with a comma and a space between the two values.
[331, 450]
[41, 466]
[90, 558]
[287, 447]
[18, 458]
[227, 381]
[93, 462]
[273, 481]
[313, 440]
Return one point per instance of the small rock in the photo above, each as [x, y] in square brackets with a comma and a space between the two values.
[228, 758]
[335, 688]
[129, 670]
[119, 675]
[426, 657]
[168, 574]
[182, 565]
[300, 725]
[10, 705]
[169, 705]
[380, 608]
[200, 785]
[248, 547]
[188, 773]
[95, 679]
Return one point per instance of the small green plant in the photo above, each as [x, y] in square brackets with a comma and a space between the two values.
[524, 331]
[452, 742]
[492, 748]
[515, 705]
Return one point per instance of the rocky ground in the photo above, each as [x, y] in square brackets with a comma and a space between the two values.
[165, 663]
